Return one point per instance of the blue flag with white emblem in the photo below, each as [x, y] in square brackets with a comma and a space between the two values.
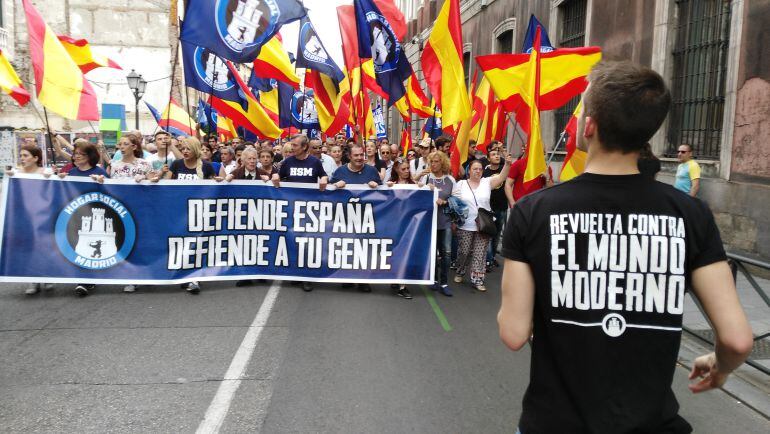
[208, 73]
[311, 53]
[545, 43]
[378, 41]
[258, 84]
[206, 117]
[237, 29]
[296, 109]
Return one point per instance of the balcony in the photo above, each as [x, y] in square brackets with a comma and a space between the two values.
[3, 39]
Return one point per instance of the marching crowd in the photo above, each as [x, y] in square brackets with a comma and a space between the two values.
[471, 209]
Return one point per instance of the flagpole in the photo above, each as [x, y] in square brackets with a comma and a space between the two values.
[556, 146]
[50, 137]
[171, 93]
[362, 132]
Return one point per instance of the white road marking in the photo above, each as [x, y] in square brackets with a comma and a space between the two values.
[220, 405]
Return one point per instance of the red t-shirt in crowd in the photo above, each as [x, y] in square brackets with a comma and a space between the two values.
[520, 188]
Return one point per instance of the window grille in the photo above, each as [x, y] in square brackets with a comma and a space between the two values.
[505, 42]
[572, 34]
[698, 80]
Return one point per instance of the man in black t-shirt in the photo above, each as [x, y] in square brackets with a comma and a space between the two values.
[596, 273]
[302, 167]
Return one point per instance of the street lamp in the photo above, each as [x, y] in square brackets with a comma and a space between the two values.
[137, 84]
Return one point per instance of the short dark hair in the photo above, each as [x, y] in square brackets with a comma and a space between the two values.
[35, 152]
[89, 149]
[441, 141]
[628, 102]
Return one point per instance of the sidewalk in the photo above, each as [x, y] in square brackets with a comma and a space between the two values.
[747, 384]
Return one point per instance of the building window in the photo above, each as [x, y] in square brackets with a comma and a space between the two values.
[504, 42]
[572, 33]
[698, 80]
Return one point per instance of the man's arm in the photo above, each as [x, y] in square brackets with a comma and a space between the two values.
[695, 187]
[509, 191]
[714, 286]
[518, 302]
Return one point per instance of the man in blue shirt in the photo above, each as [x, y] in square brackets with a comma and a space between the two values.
[356, 171]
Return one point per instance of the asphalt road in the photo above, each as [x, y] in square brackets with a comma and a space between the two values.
[333, 360]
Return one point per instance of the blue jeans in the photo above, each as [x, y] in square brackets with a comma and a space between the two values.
[443, 249]
[500, 217]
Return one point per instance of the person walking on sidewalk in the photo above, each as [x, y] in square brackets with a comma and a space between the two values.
[596, 271]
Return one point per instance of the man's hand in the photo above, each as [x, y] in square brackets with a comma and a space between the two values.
[322, 183]
[372, 184]
[705, 368]
[98, 178]
[340, 184]
[276, 181]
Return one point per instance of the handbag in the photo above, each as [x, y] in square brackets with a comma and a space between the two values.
[485, 220]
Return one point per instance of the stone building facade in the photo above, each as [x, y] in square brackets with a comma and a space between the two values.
[711, 52]
[133, 33]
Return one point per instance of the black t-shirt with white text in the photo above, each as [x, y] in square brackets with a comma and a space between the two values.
[180, 171]
[611, 258]
[308, 170]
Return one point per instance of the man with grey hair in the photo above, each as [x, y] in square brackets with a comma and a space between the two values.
[227, 154]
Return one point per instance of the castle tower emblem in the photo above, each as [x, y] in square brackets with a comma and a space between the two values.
[245, 22]
[96, 237]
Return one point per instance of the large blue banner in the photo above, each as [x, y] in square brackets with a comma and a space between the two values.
[76, 230]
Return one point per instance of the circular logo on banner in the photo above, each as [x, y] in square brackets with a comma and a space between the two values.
[385, 45]
[95, 231]
[213, 70]
[313, 50]
[613, 325]
[303, 108]
[243, 24]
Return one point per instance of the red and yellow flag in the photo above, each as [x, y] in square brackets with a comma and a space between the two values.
[274, 62]
[225, 128]
[485, 115]
[536, 165]
[562, 75]
[406, 139]
[332, 101]
[442, 64]
[10, 82]
[248, 112]
[60, 84]
[575, 160]
[87, 60]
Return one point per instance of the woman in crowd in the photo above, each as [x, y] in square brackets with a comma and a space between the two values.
[31, 159]
[131, 165]
[207, 153]
[373, 158]
[439, 178]
[85, 158]
[411, 155]
[400, 175]
[191, 167]
[472, 244]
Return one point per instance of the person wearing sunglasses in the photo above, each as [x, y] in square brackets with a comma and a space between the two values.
[688, 171]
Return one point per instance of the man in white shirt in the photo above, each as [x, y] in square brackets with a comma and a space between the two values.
[420, 164]
[326, 161]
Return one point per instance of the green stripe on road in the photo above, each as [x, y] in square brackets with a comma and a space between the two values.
[437, 310]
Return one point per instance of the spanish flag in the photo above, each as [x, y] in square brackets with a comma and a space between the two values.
[536, 165]
[485, 115]
[174, 119]
[248, 112]
[274, 62]
[332, 100]
[59, 82]
[406, 139]
[418, 102]
[360, 72]
[442, 63]
[562, 75]
[225, 128]
[87, 60]
[10, 82]
[575, 160]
